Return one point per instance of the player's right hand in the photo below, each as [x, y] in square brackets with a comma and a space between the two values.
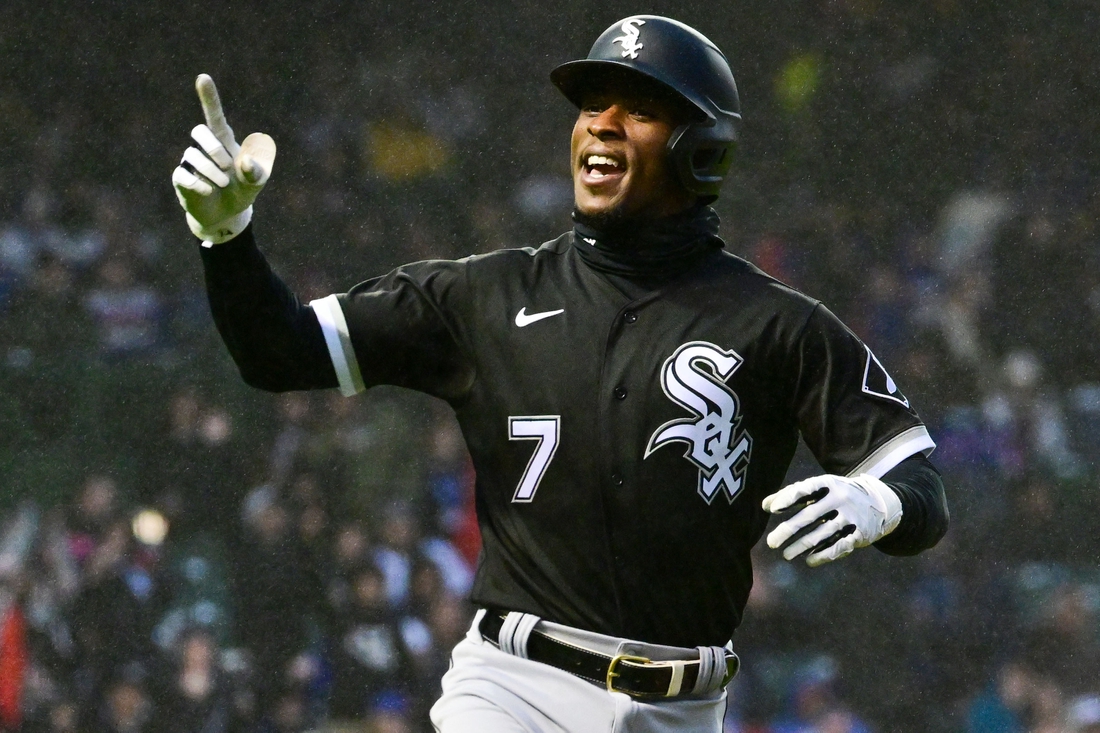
[217, 180]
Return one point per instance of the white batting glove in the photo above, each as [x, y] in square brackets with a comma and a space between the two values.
[217, 181]
[849, 513]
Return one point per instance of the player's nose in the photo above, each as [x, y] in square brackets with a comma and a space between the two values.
[608, 124]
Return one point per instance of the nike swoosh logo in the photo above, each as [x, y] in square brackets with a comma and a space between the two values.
[522, 319]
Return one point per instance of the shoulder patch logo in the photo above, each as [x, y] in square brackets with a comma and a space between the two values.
[629, 41]
[694, 377]
[877, 383]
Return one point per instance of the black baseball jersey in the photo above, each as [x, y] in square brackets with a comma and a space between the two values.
[623, 444]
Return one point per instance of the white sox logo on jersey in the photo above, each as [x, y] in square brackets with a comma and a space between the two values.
[695, 378]
[630, 40]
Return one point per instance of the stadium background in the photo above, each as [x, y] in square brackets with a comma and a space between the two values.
[926, 168]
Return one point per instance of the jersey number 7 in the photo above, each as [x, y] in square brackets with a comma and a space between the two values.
[545, 429]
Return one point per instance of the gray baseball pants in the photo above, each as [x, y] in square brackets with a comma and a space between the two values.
[487, 690]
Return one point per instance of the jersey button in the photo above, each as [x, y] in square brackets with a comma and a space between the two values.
[630, 316]
[620, 393]
[617, 479]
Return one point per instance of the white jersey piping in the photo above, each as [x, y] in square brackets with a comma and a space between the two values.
[906, 443]
[335, 328]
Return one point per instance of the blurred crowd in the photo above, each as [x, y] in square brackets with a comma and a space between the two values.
[181, 553]
[192, 614]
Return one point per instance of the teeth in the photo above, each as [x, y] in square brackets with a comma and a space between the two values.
[603, 160]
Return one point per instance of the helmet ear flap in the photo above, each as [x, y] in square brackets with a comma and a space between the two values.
[700, 157]
[709, 158]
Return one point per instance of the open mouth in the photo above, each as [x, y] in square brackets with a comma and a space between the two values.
[603, 166]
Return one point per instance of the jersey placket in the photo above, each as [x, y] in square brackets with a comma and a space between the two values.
[624, 359]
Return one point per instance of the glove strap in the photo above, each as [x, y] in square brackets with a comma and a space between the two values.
[221, 232]
[885, 499]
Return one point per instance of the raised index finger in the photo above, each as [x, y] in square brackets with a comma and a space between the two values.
[212, 110]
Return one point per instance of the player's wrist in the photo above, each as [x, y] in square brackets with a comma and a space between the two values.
[885, 499]
[221, 232]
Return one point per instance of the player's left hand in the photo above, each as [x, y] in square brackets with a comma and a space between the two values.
[837, 515]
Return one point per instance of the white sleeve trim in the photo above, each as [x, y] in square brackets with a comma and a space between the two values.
[907, 443]
[335, 328]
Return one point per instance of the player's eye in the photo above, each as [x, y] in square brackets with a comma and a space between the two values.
[646, 109]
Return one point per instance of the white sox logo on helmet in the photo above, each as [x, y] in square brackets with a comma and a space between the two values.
[695, 378]
[629, 41]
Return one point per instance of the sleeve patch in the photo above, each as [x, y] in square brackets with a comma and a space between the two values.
[877, 383]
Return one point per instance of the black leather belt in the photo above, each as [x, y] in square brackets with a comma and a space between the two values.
[636, 676]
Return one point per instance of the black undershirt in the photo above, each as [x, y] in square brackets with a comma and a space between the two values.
[639, 256]
[275, 340]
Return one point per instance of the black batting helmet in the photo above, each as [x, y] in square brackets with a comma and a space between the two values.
[685, 62]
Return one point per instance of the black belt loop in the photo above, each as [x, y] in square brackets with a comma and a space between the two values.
[635, 676]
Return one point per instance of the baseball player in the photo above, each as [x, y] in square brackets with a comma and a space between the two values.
[631, 395]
